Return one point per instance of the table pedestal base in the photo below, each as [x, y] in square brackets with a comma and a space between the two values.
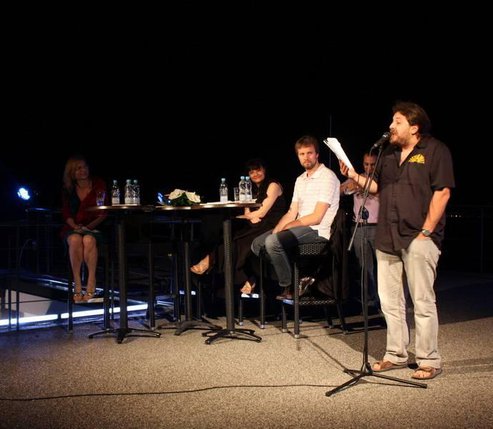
[121, 333]
[234, 334]
[195, 324]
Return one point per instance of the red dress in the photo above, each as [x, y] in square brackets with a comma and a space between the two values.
[74, 207]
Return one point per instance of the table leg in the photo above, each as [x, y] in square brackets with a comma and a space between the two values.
[124, 331]
[230, 331]
[190, 322]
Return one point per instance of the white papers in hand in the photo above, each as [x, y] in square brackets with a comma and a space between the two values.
[336, 147]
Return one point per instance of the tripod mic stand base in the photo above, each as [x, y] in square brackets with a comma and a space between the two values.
[359, 374]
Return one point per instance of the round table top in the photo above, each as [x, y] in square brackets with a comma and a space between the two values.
[151, 208]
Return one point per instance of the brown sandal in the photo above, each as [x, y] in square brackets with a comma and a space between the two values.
[92, 298]
[386, 365]
[429, 373]
[77, 295]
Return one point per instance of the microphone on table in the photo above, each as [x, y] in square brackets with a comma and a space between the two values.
[385, 137]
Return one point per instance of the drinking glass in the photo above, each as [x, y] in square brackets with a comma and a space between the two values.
[100, 198]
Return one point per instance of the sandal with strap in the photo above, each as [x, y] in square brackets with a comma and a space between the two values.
[203, 267]
[88, 297]
[427, 373]
[385, 365]
[248, 287]
[92, 297]
[77, 297]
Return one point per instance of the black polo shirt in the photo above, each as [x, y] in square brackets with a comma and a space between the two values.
[405, 192]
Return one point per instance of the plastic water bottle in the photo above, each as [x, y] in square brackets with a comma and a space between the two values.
[223, 191]
[115, 193]
[129, 192]
[242, 186]
[248, 188]
[136, 192]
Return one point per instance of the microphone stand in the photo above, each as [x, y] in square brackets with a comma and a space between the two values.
[366, 369]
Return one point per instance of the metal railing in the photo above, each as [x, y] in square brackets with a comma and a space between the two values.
[468, 243]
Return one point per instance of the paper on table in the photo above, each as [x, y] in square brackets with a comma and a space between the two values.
[336, 147]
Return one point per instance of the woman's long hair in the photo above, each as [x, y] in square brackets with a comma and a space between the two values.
[69, 172]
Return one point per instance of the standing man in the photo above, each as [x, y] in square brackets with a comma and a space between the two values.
[364, 238]
[413, 178]
[313, 207]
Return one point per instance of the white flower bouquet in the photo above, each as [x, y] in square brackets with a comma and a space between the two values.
[179, 197]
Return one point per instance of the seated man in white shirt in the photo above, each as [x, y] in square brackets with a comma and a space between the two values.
[313, 207]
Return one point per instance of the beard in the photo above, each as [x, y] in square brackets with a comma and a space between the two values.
[309, 165]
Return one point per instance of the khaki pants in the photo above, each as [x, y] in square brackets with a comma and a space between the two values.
[416, 265]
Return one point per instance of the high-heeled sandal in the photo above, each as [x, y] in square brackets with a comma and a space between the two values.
[88, 297]
[203, 267]
[248, 287]
[77, 297]
[93, 298]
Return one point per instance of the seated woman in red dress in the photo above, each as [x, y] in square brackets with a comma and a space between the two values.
[80, 225]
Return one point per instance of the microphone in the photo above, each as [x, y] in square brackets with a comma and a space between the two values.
[385, 137]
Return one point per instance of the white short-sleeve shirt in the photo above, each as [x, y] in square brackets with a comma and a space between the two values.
[323, 186]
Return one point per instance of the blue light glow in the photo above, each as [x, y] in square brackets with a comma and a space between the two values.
[24, 193]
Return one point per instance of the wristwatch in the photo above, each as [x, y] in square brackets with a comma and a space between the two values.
[425, 232]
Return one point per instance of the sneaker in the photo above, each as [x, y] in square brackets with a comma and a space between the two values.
[305, 283]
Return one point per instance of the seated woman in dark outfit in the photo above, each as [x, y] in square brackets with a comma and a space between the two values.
[267, 192]
[79, 230]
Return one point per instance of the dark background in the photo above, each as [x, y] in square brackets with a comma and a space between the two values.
[196, 89]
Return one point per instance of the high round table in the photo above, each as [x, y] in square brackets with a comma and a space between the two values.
[229, 210]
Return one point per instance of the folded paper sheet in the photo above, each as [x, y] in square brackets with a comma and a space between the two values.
[336, 147]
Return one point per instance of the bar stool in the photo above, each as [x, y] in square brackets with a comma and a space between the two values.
[320, 253]
[325, 257]
[180, 231]
[169, 266]
[108, 285]
[331, 256]
[261, 296]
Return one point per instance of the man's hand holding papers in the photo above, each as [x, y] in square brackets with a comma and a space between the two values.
[336, 147]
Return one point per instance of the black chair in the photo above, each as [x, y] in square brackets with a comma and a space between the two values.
[327, 263]
[108, 285]
[320, 254]
[108, 289]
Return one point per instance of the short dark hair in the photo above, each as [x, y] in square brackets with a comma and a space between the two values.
[306, 141]
[414, 114]
[255, 164]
